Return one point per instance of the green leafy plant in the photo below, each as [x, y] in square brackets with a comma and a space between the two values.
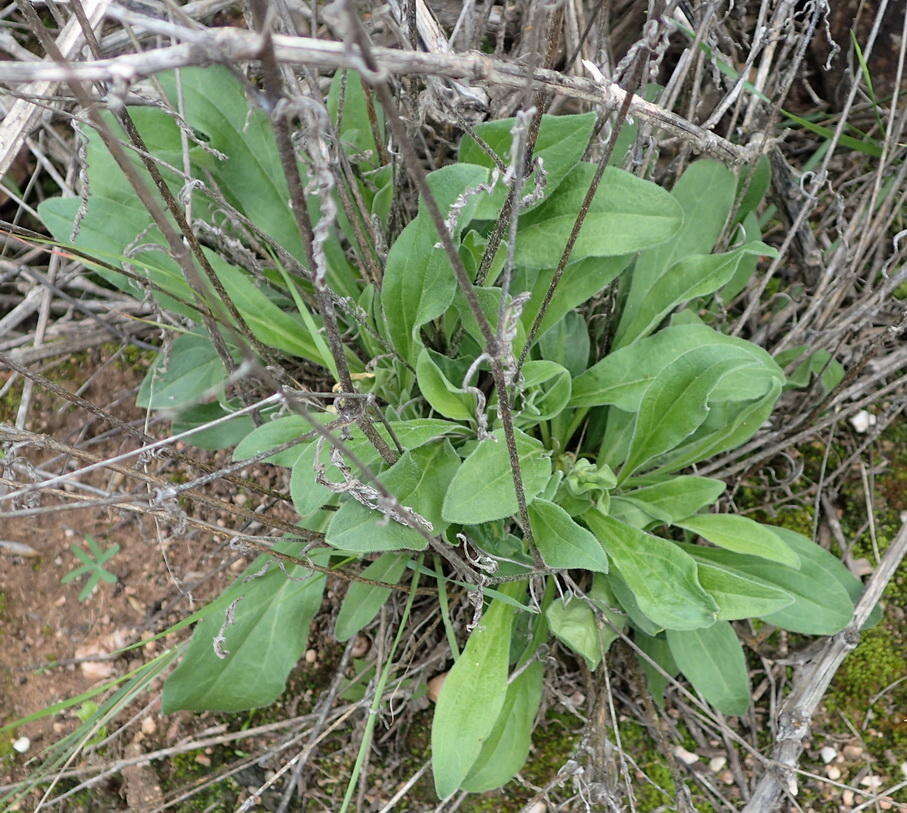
[560, 456]
[92, 569]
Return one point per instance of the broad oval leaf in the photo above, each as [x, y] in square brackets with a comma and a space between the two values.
[677, 402]
[676, 498]
[263, 643]
[690, 277]
[180, 378]
[419, 282]
[662, 577]
[743, 535]
[581, 280]
[622, 377]
[739, 596]
[567, 343]
[575, 625]
[712, 660]
[560, 144]
[507, 747]
[272, 434]
[363, 601]
[626, 214]
[704, 194]
[545, 390]
[418, 480]
[482, 490]
[471, 699]
[562, 542]
[443, 396]
[658, 650]
[821, 605]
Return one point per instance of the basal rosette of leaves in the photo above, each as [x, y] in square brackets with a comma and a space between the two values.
[605, 441]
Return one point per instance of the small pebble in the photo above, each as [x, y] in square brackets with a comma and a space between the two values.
[833, 772]
[847, 798]
[828, 754]
[201, 759]
[21, 745]
[577, 698]
[149, 726]
[904, 769]
[686, 757]
[311, 656]
[537, 807]
[727, 777]
[434, 687]
[361, 646]
[717, 763]
[871, 781]
[17, 548]
[852, 752]
[862, 421]
[886, 803]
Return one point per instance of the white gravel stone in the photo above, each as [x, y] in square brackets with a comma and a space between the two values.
[862, 421]
[717, 763]
[686, 757]
[828, 754]
[21, 745]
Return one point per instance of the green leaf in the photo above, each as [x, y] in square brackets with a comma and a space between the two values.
[712, 660]
[819, 362]
[563, 543]
[567, 343]
[355, 128]
[362, 601]
[445, 398]
[688, 278]
[92, 567]
[658, 650]
[743, 535]
[482, 490]
[560, 144]
[223, 436]
[676, 498]
[309, 495]
[418, 480]
[268, 634]
[507, 747]
[627, 602]
[704, 195]
[677, 402]
[740, 597]
[662, 577]
[272, 434]
[821, 604]
[626, 214]
[622, 377]
[821, 558]
[575, 625]
[182, 377]
[267, 322]
[546, 390]
[581, 280]
[755, 180]
[471, 699]
[213, 102]
[419, 282]
[728, 426]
